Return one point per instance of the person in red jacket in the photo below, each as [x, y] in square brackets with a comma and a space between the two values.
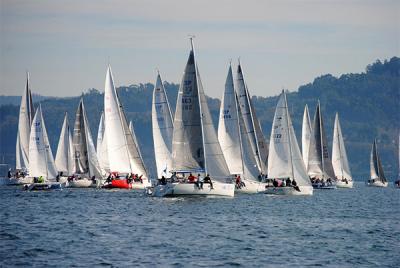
[191, 178]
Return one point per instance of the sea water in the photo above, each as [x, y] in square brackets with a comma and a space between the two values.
[94, 227]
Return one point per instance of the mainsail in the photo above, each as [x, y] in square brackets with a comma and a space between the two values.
[376, 165]
[162, 129]
[319, 162]
[123, 154]
[339, 156]
[195, 144]
[85, 157]
[65, 153]
[252, 124]
[26, 112]
[228, 128]
[285, 160]
[101, 146]
[305, 135]
[41, 161]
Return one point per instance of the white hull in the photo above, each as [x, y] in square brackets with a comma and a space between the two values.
[15, 181]
[183, 189]
[141, 186]
[378, 184]
[251, 187]
[304, 190]
[342, 184]
[81, 183]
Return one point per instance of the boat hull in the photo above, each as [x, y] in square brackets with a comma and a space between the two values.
[123, 184]
[46, 186]
[191, 189]
[16, 181]
[81, 183]
[378, 184]
[251, 187]
[304, 190]
[342, 184]
[321, 186]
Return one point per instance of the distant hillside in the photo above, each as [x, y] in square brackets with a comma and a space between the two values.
[368, 106]
[16, 100]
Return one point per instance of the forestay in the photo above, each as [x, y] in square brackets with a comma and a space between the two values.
[162, 129]
[340, 162]
[285, 160]
[41, 161]
[65, 153]
[319, 162]
[305, 135]
[26, 112]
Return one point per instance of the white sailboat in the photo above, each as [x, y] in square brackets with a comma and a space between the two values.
[26, 113]
[235, 143]
[305, 135]
[195, 146]
[162, 125]
[41, 162]
[87, 170]
[319, 166]
[65, 152]
[101, 149]
[123, 154]
[339, 158]
[253, 128]
[285, 163]
[378, 178]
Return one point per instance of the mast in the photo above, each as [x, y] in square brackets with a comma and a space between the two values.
[321, 140]
[377, 160]
[45, 149]
[288, 133]
[340, 149]
[239, 130]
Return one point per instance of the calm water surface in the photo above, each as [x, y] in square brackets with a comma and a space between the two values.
[88, 227]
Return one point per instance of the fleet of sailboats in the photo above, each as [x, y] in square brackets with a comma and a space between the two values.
[187, 143]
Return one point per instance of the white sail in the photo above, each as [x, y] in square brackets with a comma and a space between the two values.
[228, 128]
[285, 160]
[252, 125]
[195, 144]
[101, 149]
[319, 162]
[64, 158]
[41, 161]
[123, 155]
[376, 165]
[132, 130]
[26, 112]
[162, 129]
[85, 156]
[340, 162]
[305, 135]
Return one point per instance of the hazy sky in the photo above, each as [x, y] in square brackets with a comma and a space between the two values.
[66, 44]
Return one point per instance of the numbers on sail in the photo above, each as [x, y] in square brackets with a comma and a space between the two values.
[187, 103]
[187, 87]
[277, 137]
[226, 114]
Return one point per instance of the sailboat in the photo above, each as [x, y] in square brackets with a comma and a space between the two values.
[123, 154]
[378, 178]
[339, 158]
[41, 162]
[162, 129]
[252, 125]
[305, 135]
[195, 146]
[87, 172]
[65, 152]
[235, 143]
[319, 166]
[101, 147]
[286, 169]
[397, 182]
[26, 113]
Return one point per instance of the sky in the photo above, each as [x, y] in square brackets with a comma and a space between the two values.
[66, 45]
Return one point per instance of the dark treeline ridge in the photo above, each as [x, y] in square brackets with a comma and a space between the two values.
[368, 104]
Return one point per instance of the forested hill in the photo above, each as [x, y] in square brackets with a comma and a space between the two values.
[368, 105]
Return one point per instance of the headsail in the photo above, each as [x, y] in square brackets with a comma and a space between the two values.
[41, 161]
[319, 162]
[228, 127]
[101, 146]
[162, 129]
[85, 156]
[339, 156]
[65, 153]
[376, 165]
[305, 135]
[285, 160]
[26, 112]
